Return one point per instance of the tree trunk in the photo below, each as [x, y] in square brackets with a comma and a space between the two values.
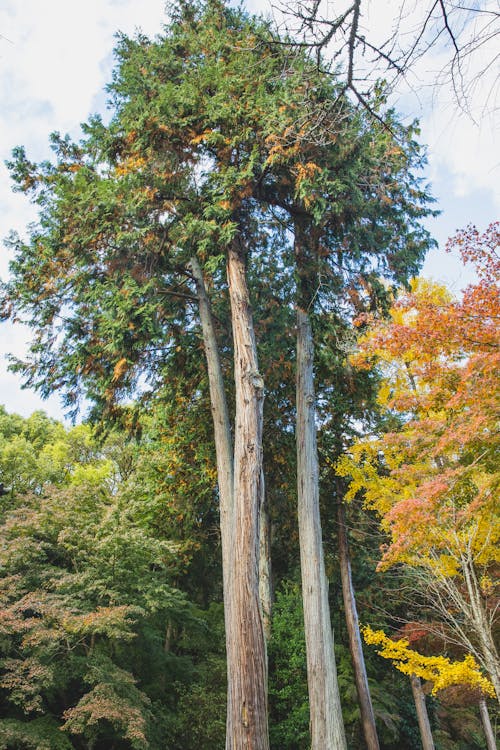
[327, 729]
[487, 728]
[222, 438]
[355, 645]
[422, 715]
[220, 415]
[481, 623]
[225, 469]
[247, 684]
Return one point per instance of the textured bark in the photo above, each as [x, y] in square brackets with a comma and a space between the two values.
[247, 673]
[265, 582]
[422, 715]
[225, 474]
[327, 729]
[487, 728]
[355, 645]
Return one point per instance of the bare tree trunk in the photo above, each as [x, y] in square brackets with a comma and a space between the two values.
[220, 415]
[481, 623]
[422, 715]
[247, 727]
[487, 728]
[355, 645]
[327, 728]
[225, 473]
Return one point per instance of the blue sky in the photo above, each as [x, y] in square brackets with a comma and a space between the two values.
[56, 57]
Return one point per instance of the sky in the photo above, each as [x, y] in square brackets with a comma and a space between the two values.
[56, 58]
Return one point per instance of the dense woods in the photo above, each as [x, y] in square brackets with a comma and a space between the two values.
[284, 439]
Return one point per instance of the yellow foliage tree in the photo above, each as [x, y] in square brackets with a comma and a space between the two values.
[434, 479]
[439, 670]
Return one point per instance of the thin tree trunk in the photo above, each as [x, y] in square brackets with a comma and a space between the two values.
[326, 723]
[247, 727]
[222, 439]
[327, 729]
[422, 715]
[220, 415]
[355, 645]
[487, 728]
[481, 623]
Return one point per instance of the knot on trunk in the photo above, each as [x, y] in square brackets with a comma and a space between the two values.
[244, 716]
[256, 380]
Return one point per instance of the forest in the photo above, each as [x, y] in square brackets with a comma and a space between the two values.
[276, 526]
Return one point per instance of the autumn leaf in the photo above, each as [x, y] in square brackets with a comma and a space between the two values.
[120, 369]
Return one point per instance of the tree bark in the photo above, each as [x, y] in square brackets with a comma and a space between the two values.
[265, 582]
[327, 729]
[220, 414]
[487, 728]
[225, 473]
[422, 715]
[355, 645]
[247, 727]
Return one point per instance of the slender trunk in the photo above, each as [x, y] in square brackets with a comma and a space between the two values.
[355, 645]
[487, 728]
[327, 729]
[422, 715]
[167, 642]
[168, 637]
[247, 685]
[220, 415]
[481, 623]
[326, 723]
[490, 655]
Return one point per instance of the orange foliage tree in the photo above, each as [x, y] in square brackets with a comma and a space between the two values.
[434, 479]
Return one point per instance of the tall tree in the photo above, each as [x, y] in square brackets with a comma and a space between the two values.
[330, 177]
[121, 215]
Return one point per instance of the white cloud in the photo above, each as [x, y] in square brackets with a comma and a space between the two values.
[468, 150]
[55, 59]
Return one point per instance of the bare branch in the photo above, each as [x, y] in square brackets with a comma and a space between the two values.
[447, 27]
[415, 32]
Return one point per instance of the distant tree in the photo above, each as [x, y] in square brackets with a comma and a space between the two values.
[87, 592]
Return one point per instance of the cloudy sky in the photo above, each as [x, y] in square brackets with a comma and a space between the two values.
[56, 57]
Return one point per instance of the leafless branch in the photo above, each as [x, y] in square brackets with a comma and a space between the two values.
[341, 43]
